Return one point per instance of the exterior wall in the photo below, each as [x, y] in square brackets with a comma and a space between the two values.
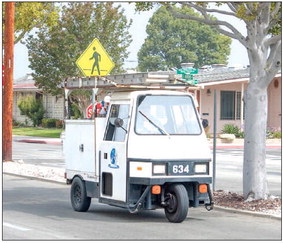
[207, 104]
[54, 106]
[274, 104]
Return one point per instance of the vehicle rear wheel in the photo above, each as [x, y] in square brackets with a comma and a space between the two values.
[79, 199]
[177, 203]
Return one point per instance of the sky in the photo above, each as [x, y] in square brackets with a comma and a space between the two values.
[138, 31]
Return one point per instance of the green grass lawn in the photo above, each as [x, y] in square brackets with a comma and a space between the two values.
[37, 132]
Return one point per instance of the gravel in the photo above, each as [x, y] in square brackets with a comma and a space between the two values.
[271, 206]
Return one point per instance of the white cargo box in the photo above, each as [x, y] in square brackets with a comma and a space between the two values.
[79, 146]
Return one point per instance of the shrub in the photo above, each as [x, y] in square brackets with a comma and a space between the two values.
[232, 129]
[273, 133]
[49, 122]
[32, 108]
[59, 124]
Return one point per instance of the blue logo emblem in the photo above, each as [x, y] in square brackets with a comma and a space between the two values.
[113, 156]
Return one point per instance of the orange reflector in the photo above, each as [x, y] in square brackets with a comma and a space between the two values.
[156, 189]
[139, 168]
[202, 188]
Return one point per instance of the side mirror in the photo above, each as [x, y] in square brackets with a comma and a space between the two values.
[118, 122]
[205, 123]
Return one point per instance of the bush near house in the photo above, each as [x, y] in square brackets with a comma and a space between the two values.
[273, 133]
[232, 129]
[52, 123]
[32, 108]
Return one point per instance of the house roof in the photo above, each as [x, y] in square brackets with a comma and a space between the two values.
[221, 75]
[25, 83]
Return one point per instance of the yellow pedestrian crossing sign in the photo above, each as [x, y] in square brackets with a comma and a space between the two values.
[95, 61]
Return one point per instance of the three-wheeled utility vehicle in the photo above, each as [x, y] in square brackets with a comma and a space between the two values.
[150, 150]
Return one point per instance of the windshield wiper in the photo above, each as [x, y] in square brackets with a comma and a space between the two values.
[162, 131]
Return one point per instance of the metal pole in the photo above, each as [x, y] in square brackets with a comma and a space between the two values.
[8, 81]
[214, 138]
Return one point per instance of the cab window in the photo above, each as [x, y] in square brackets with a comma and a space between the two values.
[115, 133]
[164, 114]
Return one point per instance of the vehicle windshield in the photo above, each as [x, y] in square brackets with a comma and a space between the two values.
[166, 115]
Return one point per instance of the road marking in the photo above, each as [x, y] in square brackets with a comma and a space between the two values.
[15, 227]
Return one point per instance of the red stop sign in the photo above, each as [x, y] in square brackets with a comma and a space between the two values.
[89, 111]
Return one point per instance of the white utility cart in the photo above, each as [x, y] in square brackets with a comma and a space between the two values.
[150, 151]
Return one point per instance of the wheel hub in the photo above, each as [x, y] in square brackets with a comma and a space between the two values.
[171, 203]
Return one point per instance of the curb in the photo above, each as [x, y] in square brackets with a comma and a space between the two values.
[39, 141]
[36, 178]
[252, 213]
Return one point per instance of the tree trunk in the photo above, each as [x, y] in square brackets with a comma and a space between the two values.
[254, 169]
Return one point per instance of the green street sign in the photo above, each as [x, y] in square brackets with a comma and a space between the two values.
[188, 74]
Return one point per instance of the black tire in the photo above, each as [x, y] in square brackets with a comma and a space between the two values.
[177, 203]
[80, 201]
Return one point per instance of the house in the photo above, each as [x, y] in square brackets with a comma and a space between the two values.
[53, 105]
[229, 83]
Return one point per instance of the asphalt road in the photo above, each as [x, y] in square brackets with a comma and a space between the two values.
[38, 210]
[229, 164]
[229, 167]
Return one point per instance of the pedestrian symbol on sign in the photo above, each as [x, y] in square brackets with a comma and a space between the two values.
[97, 58]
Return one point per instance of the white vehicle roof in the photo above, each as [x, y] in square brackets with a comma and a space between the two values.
[134, 94]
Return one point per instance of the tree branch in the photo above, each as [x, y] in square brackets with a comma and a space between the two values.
[276, 10]
[210, 10]
[264, 11]
[231, 7]
[235, 34]
[272, 40]
[274, 60]
[21, 35]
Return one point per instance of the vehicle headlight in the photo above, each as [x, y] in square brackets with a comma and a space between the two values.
[159, 169]
[201, 168]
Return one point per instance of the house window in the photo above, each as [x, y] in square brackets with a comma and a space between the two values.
[230, 105]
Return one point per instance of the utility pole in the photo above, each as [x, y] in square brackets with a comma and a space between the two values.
[8, 81]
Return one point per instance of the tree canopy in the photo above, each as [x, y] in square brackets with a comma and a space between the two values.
[54, 50]
[171, 41]
[31, 15]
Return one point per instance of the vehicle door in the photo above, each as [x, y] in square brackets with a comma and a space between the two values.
[113, 153]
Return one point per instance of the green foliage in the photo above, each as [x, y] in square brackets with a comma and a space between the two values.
[30, 15]
[54, 51]
[48, 122]
[172, 41]
[273, 133]
[75, 112]
[52, 123]
[232, 129]
[32, 108]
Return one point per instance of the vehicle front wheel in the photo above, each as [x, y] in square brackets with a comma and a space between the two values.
[177, 203]
[79, 199]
